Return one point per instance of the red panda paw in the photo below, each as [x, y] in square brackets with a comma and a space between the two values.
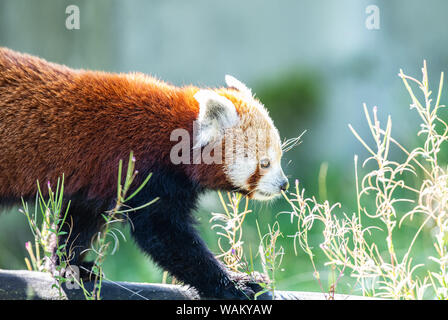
[251, 286]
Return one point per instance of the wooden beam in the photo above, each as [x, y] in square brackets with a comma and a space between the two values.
[31, 285]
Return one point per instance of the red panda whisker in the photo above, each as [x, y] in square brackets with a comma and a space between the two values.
[292, 142]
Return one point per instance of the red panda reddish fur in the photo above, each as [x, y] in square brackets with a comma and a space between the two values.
[58, 121]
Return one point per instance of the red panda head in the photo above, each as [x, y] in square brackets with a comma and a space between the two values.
[233, 118]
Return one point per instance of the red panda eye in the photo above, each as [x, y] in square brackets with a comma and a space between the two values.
[265, 163]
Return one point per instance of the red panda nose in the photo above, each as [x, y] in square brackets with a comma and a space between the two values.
[284, 186]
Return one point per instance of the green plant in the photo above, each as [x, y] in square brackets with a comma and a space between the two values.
[104, 244]
[48, 232]
[229, 228]
[106, 241]
[271, 254]
[392, 192]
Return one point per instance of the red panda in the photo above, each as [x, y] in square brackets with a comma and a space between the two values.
[57, 121]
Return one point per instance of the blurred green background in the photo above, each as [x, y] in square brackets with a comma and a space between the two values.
[313, 64]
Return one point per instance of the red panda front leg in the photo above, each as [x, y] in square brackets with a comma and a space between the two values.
[177, 248]
[165, 230]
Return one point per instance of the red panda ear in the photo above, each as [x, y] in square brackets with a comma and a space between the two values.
[233, 82]
[216, 113]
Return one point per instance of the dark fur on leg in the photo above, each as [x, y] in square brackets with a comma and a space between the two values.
[165, 230]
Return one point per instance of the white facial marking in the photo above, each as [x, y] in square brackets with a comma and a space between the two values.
[241, 170]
